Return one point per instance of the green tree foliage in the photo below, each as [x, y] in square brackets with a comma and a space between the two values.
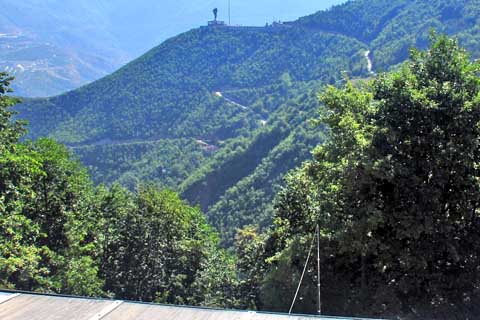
[135, 123]
[155, 245]
[390, 28]
[237, 185]
[164, 162]
[361, 19]
[395, 191]
[19, 256]
[9, 132]
[249, 245]
[58, 233]
[168, 92]
[392, 188]
[217, 286]
[47, 224]
[149, 121]
[62, 208]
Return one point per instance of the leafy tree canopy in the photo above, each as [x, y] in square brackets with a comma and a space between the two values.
[395, 189]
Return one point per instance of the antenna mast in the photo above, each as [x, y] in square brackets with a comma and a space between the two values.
[318, 272]
[229, 22]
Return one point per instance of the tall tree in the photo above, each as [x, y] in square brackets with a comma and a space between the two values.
[60, 234]
[155, 245]
[396, 188]
[10, 131]
[19, 254]
[46, 226]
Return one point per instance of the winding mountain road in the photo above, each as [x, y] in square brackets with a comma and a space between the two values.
[369, 61]
[219, 94]
[241, 106]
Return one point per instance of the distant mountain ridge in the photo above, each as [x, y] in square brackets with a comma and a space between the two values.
[54, 46]
[169, 96]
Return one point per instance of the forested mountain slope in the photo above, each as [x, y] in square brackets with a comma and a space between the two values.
[170, 93]
[241, 94]
[390, 28]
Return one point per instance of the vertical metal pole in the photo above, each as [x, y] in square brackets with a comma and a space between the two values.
[229, 22]
[318, 272]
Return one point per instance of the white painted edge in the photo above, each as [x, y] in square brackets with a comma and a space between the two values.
[8, 297]
[106, 310]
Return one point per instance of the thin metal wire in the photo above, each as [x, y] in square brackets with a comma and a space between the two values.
[303, 274]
